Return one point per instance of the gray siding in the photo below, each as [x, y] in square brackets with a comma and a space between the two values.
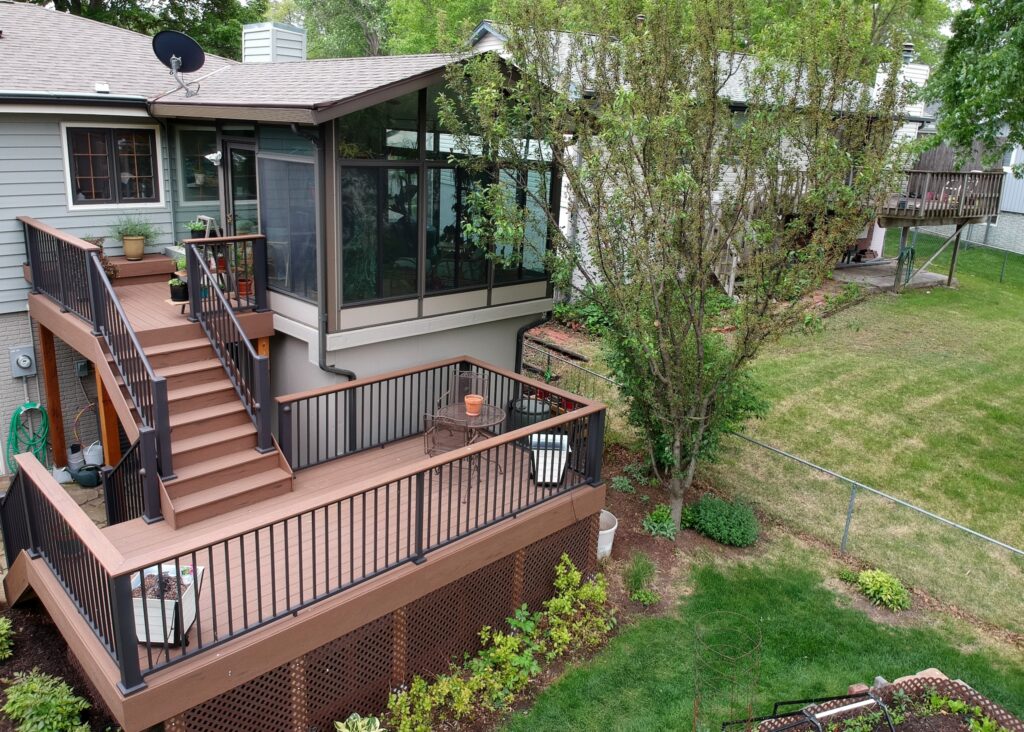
[1013, 194]
[32, 183]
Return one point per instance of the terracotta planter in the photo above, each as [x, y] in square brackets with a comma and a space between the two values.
[244, 288]
[473, 404]
[134, 247]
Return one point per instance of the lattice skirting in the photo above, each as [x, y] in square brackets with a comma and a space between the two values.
[355, 672]
[916, 687]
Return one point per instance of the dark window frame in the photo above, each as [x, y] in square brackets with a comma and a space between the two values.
[114, 170]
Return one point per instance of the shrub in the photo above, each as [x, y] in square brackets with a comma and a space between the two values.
[689, 517]
[38, 702]
[659, 522]
[639, 573]
[355, 723]
[639, 473]
[884, 589]
[729, 523]
[622, 484]
[645, 597]
[576, 617]
[6, 639]
[848, 575]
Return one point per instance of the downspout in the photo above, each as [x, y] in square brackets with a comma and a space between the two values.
[321, 265]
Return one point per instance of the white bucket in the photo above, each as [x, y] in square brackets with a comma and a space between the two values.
[94, 454]
[76, 458]
[606, 534]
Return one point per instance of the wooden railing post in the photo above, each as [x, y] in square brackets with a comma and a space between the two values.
[284, 431]
[261, 375]
[126, 644]
[151, 512]
[162, 425]
[259, 272]
[595, 447]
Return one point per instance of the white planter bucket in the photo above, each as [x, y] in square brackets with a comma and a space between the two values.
[94, 454]
[606, 534]
[167, 621]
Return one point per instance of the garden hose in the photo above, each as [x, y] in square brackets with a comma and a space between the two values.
[23, 437]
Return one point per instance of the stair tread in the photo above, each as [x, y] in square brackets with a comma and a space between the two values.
[204, 413]
[158, 349]
[206, 387]
[222, 435]
[222, 462]
[228, 490]
[182, 369]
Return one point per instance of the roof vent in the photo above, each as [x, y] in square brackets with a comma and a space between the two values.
[273, 43]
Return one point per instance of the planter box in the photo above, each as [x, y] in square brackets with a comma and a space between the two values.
[168, 620]
[548, 456]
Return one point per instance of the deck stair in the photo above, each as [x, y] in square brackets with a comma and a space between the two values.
[217, 467]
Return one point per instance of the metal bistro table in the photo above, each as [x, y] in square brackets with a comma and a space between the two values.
[490, 416]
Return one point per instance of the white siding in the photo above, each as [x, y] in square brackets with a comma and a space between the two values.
[273, 43]
[32, 183]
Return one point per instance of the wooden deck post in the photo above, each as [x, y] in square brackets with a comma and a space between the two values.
[51, 385]
[109, 434]
[956, 250]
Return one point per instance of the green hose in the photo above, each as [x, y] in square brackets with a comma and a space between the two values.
[22, 437]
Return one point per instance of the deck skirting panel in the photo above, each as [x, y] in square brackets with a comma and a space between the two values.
[356, 671]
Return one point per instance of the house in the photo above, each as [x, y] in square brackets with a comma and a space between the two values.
[280, 549]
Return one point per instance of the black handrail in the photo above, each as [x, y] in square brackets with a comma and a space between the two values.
[60, 267]
[239, 264]
[131, 489]
[248, 371]
[147, 390]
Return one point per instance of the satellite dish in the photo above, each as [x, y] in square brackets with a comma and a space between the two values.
[181, 54]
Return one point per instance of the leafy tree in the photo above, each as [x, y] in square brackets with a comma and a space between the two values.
[339, 28]
[638, 107]
[425, 26]
[215, 24]
[980, 82]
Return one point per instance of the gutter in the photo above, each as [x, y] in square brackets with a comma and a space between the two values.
[42, 97]
[321, 264]
[521, 333]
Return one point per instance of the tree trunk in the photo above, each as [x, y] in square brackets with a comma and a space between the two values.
[682, 479]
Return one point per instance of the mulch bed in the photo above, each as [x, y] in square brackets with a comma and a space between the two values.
[38, 644]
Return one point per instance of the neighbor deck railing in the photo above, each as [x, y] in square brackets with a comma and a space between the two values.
[269, 570]
[929, 194]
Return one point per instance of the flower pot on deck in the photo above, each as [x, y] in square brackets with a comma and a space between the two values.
[163, 617]
[473, 404]
[244, 287]
[134, 247]
[179, 292]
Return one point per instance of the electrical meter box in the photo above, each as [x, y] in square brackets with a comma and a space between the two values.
[23, 361]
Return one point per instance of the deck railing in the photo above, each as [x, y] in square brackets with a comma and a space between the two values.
[239, 266]
[927, 194]
[68, 270]
[249, 372]
[127, 494]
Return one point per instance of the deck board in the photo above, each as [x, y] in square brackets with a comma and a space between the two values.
[330, 548]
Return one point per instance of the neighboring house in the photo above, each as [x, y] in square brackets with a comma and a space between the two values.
[285, 542]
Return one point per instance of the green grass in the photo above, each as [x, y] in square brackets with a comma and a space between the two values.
[920, 396]
[813, 644]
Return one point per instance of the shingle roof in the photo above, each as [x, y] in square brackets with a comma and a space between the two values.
[307, 84]
[43, 50]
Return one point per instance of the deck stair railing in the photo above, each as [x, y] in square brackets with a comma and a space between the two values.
[248, 371]
[239, 267]
[68, 271]
[126, 491]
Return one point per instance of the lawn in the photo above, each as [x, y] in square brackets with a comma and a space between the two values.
[813, 644]
[918, 395]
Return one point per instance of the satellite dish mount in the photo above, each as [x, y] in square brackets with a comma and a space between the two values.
[182, 55]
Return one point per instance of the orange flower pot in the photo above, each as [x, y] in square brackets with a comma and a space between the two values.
[473, 404]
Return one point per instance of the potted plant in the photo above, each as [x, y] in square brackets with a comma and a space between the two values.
[181, 268]
[243, 272]
[109, 267]
[165, 600]
[198, 229]
[473, 404]
[134, 234]
[179, 289]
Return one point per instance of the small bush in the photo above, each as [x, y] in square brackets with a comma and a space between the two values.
[38, 702]
[884, 589]
[622, 484]
[639, 473]
[355, 723]
[639, 573]
[659, 522]
[689, 517]
[645, 597]
[6, 639]
[729, 523]
[848, 575]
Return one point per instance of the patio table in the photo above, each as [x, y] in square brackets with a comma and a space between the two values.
[490, 416]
